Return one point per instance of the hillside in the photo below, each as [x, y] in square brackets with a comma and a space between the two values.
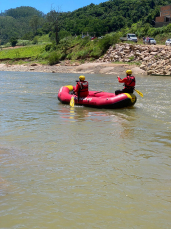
[95, 20]
[17, 22]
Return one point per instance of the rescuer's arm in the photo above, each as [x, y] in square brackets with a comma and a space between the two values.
[121, 80]
[77, 89]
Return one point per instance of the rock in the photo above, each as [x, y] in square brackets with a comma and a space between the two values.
[143, 66]
[150, 57]
[153, 53]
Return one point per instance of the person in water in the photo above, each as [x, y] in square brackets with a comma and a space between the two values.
[81, 89]
[129, 83]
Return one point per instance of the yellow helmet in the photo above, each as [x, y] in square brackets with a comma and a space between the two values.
[129, 72]
[82, 77]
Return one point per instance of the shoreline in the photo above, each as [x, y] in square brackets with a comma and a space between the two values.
[66, 67]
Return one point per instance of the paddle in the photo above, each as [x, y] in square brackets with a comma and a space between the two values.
[72, 101]
[141, 94]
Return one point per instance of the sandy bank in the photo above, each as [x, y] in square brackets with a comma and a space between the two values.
[89, 68]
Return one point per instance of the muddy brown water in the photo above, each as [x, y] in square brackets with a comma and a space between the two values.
[82, 167]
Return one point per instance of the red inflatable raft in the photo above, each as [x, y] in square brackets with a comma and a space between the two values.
[97, 99]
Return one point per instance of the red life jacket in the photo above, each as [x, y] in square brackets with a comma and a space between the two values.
[83, 88]
[130, 82]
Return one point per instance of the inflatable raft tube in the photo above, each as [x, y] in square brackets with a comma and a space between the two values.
[97, 99]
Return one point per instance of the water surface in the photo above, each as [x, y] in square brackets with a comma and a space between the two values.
[82, 167]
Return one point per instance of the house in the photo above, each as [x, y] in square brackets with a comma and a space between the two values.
[165, 16]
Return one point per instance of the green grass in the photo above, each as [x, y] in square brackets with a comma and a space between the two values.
[43, 39]
[75, 49]
[23, 52]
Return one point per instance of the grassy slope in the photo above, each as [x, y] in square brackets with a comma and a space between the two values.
[78, 50]
[22, 52]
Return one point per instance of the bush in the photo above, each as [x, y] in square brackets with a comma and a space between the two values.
[54, 58]
[69, 56]
[96, 52]
[85, 40]
[13, 41]
[48, 47]
[107, 41]
[35, 41]
[82, 54]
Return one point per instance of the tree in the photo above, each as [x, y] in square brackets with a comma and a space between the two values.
[65, 44]
[13, 41]
[54, 19]
[34, 23]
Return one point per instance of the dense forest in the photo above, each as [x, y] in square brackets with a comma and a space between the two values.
[18, 22]
[96, 20]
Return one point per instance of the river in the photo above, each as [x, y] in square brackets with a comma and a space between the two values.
[82, 167]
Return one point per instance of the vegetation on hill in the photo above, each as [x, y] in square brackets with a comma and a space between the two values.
[58, 35]
[110, 16]
[15, 23]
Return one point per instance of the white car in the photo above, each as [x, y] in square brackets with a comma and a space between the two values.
[168, 42]
[150, 41]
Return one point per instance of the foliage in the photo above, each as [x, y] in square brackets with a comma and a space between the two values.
[48, 47]
[96, 52]
[68, 35]
[64, 44]
[13, 41]
[107, 41]
[53, 17]
[25, 52]
[15, 23]
[34, 23]
[63, 33]
[54, 58]
[35, 40]
[23, 42]
[92, 20]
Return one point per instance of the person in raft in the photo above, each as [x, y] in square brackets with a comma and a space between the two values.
[129, 83]
[81, 89]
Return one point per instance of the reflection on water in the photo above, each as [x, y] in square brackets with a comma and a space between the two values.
[80, 167]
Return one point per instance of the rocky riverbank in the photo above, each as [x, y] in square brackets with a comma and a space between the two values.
[67, 67]
[155, 60]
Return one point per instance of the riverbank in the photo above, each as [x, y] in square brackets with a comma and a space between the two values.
[67, 67]
[151, 60]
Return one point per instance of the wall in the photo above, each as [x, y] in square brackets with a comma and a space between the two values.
[165, 11]
[165, 16]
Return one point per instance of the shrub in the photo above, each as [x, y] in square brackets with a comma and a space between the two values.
[13, 41]
[82, 54]
[35, 41]
[107, 41]
[54, 58]
[69, 56]
[48, 47]
[85, 40]
[96, 52]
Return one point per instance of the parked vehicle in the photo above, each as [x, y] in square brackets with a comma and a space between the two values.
[150, 41]
[168, 42]
[129, 37]
[100, 37]
[92, 38]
